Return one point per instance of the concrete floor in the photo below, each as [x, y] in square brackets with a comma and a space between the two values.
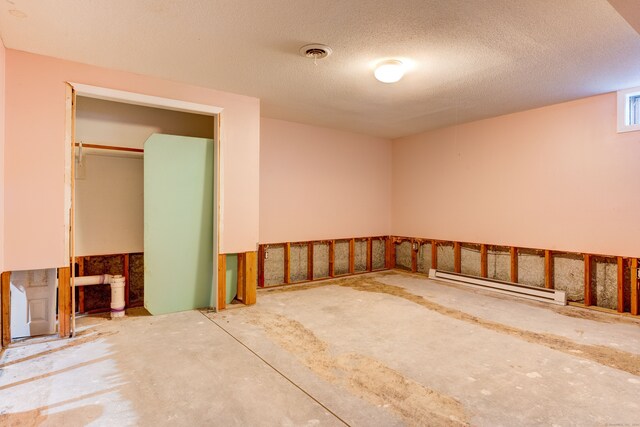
[381, 349]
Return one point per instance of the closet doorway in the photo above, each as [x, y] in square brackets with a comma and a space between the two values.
[108, 225]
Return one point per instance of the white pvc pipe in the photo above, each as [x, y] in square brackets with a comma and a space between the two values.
[100, 279]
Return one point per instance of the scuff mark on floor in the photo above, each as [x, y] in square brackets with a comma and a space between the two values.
[365, 376]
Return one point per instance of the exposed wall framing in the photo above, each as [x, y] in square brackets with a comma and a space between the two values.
[248, 278]
[5, 309]
[97, 298]
[299, 262]
[603, 281]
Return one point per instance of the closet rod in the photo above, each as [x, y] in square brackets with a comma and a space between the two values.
[111, 147]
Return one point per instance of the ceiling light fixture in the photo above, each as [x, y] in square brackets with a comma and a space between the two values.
[389, 71]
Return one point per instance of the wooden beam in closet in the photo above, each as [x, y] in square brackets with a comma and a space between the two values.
[64, 302]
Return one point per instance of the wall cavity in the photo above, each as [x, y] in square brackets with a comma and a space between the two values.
[320, 260]
[498, 263]
[445, 256]
[341, 258]
[531, 267]
[378, 254]
[274, 265]
[568, 275]
[298, 262]
[360, 256]
[424, 258]
[403, 255]
[470, 260]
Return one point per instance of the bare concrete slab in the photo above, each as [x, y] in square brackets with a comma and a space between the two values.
[177, 369]
[381, 349]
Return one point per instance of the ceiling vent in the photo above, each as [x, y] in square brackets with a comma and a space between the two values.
[315, 51]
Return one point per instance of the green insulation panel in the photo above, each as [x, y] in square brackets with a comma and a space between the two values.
[232, 277]
[178, 223]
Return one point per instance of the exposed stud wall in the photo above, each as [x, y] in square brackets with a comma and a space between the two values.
[424, 258]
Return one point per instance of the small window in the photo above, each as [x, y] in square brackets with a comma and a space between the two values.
[629, 110]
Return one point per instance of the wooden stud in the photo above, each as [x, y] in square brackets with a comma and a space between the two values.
[250, 267]
[261, 251]
[5, 319]
[548, 269]
[352, 256]
[390, 253]
[414, 255]
[633, 274]
[287, 262]
[514, 264]
[369, 254]
[80, 261]
[620, 284]
[127, 284]
[434, 254]
[484, 268]
[310, 261]
[222, 281]
[332, 255]
[64, 302]
[457, 257]
[241, 277]
[588, 297]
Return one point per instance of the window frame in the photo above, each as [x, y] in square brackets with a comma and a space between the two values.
[623, 110]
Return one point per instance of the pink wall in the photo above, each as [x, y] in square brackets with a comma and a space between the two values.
[34, 154]
[557, 177]
[2, 126]
[319, 183]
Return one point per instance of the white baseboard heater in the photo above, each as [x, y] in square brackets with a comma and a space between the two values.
[552, 296]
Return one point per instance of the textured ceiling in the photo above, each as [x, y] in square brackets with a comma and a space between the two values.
[470, 58]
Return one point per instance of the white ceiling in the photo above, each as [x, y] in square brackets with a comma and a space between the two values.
[470, 58]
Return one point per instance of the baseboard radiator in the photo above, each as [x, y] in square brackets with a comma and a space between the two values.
[552, 296]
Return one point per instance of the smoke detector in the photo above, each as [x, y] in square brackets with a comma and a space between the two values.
[315, 51]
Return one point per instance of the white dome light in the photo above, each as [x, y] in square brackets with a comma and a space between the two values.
[389, 71]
